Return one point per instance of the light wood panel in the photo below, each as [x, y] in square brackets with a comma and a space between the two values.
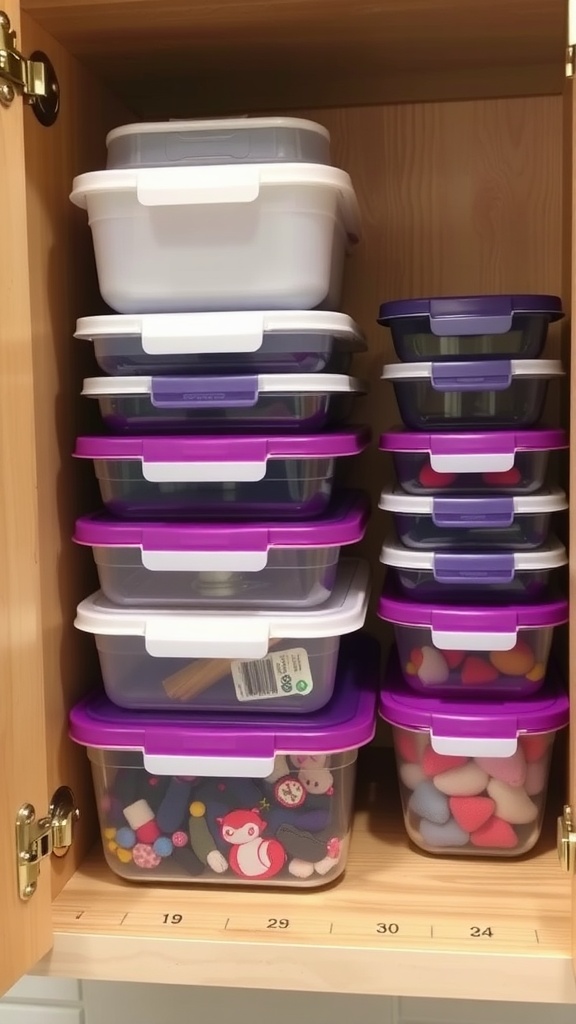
[178, 58]
[26, 930]
[334, 939]
[63, 287]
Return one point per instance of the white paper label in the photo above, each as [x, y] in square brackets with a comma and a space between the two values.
[281, 674]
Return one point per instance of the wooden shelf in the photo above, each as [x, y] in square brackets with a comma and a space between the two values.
[334, 940]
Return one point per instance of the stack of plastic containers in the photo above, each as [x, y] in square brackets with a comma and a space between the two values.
[472, 585]
[225, 746]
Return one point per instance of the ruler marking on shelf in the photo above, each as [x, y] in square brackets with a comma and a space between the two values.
[536, 934]
[273, 927]
[384, 930]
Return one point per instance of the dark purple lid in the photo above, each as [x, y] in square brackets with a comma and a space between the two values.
[469, 618]
[473, 442]
[347, 721]
[225, 448]
[472, 314]
[504, 718]
[344, 522]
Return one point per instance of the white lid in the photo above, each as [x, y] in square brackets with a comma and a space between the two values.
[218, 183]
[216, 124]
[201, 333]
[231, 634]
[518, 368]
[551, 556]
[553, 500]
[266, 383]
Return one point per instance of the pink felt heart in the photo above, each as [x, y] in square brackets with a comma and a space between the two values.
[406, 744]
[434, 764]
[508, 769]
[495, 834]
[477, 672]
[535, 747]
[471, 812]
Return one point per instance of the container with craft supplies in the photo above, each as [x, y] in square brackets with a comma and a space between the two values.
[242, 660]
[231, 140]
[474, 649]
[246, 236]
[290, 564]
[225, 477]
[488, 575]
[473, 776]
[254, 402]
[274, 341]
[197, 799]
[470, 395]
[490, 522]
[506, 462]
[470, 326]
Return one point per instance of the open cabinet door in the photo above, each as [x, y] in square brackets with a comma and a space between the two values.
[25, 926]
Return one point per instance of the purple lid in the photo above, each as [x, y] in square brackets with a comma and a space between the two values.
[224, 448]
[544, 711]
[344, 522]
[473, 442]
[472, 314]
[469, 618]
[347, 721]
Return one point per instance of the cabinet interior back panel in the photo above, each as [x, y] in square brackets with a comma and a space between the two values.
[456, 198]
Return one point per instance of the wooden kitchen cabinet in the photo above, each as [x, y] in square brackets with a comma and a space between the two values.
[455, 120]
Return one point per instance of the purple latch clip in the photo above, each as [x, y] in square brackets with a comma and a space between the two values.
[453, 567]
[472, 512]
[492, 375]
[204, 392]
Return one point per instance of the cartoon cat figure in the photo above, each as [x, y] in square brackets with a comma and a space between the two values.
[251, 856]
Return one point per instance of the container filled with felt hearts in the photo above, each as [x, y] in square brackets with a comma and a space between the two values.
[495, 394]
[481, 650]
[233, 476]
[250, 402]
[206, 564]
[464, 523]
[191, 799]
[473, 776]
[492, 576]
[242, 660]
[506, 462]
[282, 341]
[470, 326]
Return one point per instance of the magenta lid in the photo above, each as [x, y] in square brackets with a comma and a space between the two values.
[451, 315]
[505, 718]
[348, 721]
[483, 442]
[469, 618]
[224, 448]
[344, 522]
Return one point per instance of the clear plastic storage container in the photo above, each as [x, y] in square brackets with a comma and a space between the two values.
[278, 565]
[274, 341]
[273, 401]
[472, 649]
[185, 239]
[231, 140]
[471, 326]
[493, 576]
[473, 776]
[478, 463]
[227, 477]
[201, 799]
[498, 394]
[460, 523]
[225, 660]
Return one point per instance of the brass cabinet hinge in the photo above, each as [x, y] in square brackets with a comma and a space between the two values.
[570, 60]
[37, 839]
[567, 841]
[34, 78]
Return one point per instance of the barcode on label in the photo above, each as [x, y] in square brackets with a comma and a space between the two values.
[281, 674]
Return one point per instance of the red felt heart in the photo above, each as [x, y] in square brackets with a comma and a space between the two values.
[478, 672]
[454, 658]
[496, 834]
[435, 764]
[505, 479]
[471, 812]
[406, 745]
[535, 747]
[429, 477]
